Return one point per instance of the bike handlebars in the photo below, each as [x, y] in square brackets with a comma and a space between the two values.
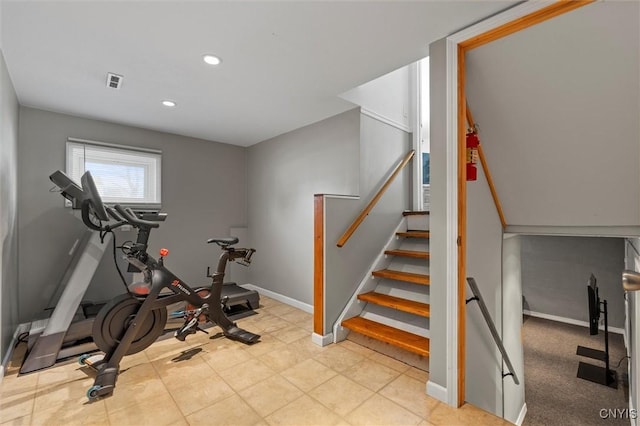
[115, 215]
[132, 219]
[88, 199]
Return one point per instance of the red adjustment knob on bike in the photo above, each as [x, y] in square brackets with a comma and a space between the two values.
[164, 252]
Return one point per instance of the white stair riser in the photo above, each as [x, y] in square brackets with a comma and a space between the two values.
[407, 291]
[409, 264]
[393, 318]
[418, 222]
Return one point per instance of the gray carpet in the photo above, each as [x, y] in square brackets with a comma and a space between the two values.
[553, 393]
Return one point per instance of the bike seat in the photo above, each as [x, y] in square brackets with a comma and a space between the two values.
[223, 242]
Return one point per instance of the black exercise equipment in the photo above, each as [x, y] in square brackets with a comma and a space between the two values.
[68, 330]
[131, 322]
[595, 373]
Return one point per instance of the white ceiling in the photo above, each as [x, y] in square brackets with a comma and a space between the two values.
[284, 63]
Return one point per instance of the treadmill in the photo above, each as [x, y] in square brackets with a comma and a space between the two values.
[67, 332]
[233, 295]
[60, 336]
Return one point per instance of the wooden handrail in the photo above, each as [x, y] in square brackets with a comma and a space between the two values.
[487, 173]
[352, 228]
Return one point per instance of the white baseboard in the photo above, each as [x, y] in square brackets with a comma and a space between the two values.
[522, 414]
[280, 298]
[570, 321]
[321, 340]
[436, 391]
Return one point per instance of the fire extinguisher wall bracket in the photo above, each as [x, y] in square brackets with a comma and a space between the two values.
[472, 155]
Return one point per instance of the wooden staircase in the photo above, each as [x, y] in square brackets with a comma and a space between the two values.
[396, 312]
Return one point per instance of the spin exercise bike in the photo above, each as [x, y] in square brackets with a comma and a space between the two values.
[131, 322]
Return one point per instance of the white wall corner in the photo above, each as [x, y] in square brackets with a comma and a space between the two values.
[0, 53]
[322, 340]
[451, 226]
[340, 333]
[438, 392]
[415, 103]
[522, 414]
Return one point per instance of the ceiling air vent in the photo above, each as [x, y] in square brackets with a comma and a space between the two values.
[114, 81]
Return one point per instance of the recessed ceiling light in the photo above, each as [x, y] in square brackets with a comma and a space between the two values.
[212, 60]
[168, 103]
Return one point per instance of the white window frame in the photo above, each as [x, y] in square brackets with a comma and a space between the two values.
[149, 159]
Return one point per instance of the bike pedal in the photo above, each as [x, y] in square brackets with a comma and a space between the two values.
[182, 335]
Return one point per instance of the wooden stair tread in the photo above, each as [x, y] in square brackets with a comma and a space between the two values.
[413, 234]
[408, 253]
[402, 276]
[415, 213]
[405, 305]
[396, 337]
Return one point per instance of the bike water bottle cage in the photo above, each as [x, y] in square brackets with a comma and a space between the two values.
[223, 242]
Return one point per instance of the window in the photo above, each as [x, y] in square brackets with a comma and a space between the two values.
[123, 175]
[425, 169]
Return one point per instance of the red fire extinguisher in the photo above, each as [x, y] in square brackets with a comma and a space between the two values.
[472, 154]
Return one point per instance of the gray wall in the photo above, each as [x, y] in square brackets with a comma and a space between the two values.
[283, 175]
[387, 96]
[8, 210]
[203, 192]
[558, 105]
[513, 394]
[483, 380]
[556, 270]
[440, 198]
[382, 147]
[559, 125]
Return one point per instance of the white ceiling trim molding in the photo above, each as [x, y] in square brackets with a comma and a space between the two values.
[385, 120]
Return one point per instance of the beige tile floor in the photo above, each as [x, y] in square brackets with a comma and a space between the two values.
[283, 380]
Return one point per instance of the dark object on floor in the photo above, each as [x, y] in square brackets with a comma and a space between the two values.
[595, 373]
[553, 393]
